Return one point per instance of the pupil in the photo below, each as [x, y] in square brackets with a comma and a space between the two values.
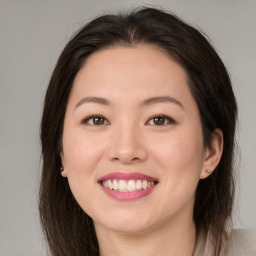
[159, 120]
[98, 120]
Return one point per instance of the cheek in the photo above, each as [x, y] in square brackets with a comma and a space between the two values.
[180, 158]
[81, 153]
[179, 152]
[180, 161]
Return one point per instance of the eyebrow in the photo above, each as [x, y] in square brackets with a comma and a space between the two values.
[98, 100]
[150, 101]
[161, 99]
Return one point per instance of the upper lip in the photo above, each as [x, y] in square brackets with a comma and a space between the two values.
[127, 176]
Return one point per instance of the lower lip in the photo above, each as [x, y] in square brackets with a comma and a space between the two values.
[127, 196]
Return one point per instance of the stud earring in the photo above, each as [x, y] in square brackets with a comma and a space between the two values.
[208, 171]
[62, 169]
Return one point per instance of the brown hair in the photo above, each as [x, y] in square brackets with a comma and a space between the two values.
[68, 229]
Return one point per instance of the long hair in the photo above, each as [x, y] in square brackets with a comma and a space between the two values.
[68, 229]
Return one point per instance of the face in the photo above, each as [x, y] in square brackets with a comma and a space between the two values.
[132, 143]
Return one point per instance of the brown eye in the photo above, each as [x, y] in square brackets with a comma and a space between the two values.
[98, 120]
[95, 120]
[160, 120]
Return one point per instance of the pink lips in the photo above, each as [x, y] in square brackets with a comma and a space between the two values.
[124, 196]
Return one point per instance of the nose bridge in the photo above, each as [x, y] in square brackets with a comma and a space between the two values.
[127, 142]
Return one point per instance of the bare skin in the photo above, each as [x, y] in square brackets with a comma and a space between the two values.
[179, 239]
[149, 123]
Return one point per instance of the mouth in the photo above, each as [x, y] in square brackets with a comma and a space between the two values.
[127, 186]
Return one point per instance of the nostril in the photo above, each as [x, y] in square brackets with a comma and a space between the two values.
[127, 152]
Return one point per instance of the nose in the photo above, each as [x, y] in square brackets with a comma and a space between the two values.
[127, 145]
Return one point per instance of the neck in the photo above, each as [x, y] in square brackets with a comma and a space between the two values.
[166, 239]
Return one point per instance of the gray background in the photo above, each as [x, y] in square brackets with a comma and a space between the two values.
[32, 35]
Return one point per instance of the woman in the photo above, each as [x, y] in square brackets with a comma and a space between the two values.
[137, 141]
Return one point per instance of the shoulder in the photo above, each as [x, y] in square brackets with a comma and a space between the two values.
[242, 242]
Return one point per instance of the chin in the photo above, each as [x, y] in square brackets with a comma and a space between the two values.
[128, 224]
[128, 228]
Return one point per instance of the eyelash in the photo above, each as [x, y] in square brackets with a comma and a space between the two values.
[87, 119]
[166, 118]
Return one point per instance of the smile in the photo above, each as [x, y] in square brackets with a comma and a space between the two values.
[127, 186]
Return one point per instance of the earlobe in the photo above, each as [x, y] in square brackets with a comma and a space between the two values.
[213, 154]
[63, 170]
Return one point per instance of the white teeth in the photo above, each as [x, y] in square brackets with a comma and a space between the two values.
[139, 185]
[127, 186]
[110, 185]
[105, 184]
[122, 186]
[115, 185]
[144, 184]
[131, 185]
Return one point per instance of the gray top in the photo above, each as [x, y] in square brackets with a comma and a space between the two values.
[241, 243]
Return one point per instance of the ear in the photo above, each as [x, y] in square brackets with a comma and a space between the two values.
[213, 154]
[64, 173]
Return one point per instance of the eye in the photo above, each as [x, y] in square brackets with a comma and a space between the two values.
[95, 120]
[160, 120]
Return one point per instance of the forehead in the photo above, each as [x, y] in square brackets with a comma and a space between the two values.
[130, 67]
